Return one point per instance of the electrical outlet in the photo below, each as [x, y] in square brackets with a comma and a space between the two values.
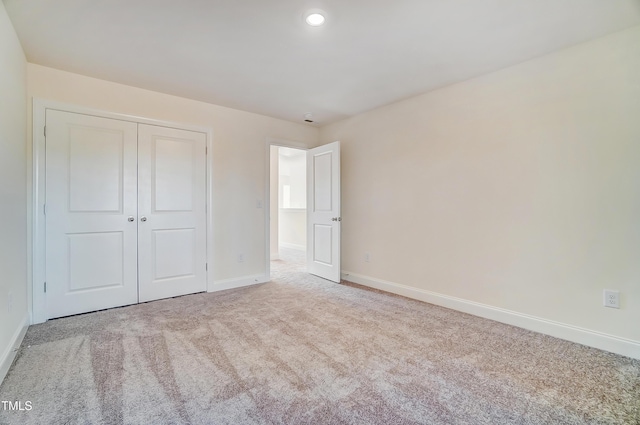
[240, 258]
[611, 298]
[367, 257]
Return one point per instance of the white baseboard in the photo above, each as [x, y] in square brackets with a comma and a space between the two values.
[238, 282]
[614, 344]
[293, 246]
[10, 352]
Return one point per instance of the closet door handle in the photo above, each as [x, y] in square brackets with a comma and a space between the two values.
[143, 218]
[131, 218]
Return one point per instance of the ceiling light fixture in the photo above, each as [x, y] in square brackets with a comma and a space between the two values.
[308, 117]
[315, 19]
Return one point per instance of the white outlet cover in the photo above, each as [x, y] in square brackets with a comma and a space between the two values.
[611, 298]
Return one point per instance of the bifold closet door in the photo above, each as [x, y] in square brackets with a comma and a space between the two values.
[172, 212]
[91, 210]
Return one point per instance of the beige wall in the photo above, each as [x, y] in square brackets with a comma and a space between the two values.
[239, 155]
[519, 189]
[293, 228]
[293, 173]
[292, 216]
[13, 185]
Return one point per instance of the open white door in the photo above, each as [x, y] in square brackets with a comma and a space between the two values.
[323, 211]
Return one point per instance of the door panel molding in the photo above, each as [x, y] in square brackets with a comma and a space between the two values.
[37, 272]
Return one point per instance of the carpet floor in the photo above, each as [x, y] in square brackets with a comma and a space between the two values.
[301, 350]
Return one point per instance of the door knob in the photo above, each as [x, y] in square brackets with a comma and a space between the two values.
[143, 218]
[336, 219]
[131, 218]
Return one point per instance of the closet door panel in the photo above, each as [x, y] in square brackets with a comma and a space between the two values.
[91, 196]
[172, 210]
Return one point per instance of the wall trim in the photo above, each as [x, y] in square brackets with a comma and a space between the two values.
[12, 349]
[238, 282]
[602, 341]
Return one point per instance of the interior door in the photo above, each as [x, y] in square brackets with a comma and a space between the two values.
[323, 211]
[172, 212]
[91, 205]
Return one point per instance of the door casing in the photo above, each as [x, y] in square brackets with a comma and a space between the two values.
[36, 291]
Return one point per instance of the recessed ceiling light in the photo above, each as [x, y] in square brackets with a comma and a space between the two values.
[315, 19]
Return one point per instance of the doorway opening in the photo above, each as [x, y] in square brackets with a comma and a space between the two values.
[288, 204]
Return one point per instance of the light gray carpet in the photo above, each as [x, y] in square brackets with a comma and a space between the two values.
[300, 350]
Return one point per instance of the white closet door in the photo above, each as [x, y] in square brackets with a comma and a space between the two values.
[172, 215]
[91, 203]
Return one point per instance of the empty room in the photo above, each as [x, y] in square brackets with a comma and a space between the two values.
[320, 212]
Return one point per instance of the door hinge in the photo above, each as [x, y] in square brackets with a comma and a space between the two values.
[45, 131]
[206, 266]
[44, 209]
[45, 287]
[206, 150]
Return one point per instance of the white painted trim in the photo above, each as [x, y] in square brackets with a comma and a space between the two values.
[79, 109]
[210, 204]
[12, 349]
[38, 302]
[238, 282]
[602, 341]
[293, 246]
[267, 193]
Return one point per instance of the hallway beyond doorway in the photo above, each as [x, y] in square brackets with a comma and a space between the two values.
[291, 262]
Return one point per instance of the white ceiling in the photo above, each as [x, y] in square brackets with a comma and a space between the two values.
[260, 56]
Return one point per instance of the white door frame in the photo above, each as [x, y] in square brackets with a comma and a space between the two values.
[37, 296]
[267, 193]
